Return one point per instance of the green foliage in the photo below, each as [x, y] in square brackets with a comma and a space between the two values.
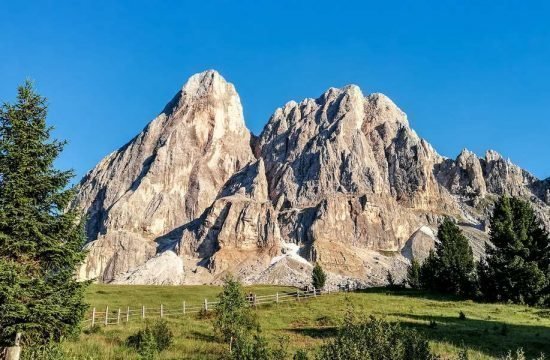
[301, 355]
[413, 275]
[318, 277]
[50, 351]
[463, 354]
[517, 266]
[450, 269]
[377, 340]
[40, 242]
[234, 320]
[162, 334]
[151, 340]
[144, 343]
[519, 355]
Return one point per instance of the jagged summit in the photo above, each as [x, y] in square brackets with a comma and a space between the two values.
[341, 180]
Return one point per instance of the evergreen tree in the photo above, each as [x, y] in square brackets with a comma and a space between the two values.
[450, 268]
[413, 275]
[517, 266]
[40, 243]
[318, 277]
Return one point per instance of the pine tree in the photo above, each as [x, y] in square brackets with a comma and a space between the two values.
[318, 277]
[40, 243]
[517, 266]
[413, 275]
[450, 268]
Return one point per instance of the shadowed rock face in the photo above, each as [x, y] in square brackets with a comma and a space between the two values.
[342, 180]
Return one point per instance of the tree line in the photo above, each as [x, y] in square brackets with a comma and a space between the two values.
[516, 266]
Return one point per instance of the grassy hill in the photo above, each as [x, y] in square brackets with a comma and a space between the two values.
[488, 330]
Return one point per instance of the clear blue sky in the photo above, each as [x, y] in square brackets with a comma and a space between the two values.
[469, 74]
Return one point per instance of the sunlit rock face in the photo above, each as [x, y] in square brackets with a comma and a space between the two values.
[166, 176]
[341, 180]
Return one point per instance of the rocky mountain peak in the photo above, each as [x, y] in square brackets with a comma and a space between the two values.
[341, 179]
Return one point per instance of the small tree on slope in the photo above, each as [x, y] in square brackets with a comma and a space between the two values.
[318, 277]
[40, 244]
[234, 320]
[517, 267]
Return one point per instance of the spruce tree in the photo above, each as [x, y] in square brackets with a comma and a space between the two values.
[40, 242]
[413, 275]
[450, 268]
[318, 277]
[517, 266]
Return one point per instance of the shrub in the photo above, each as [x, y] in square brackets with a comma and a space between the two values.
[50, 351]
[376, 339]
[151, 339]
[162, 334]
[301, 355]
[144, 343]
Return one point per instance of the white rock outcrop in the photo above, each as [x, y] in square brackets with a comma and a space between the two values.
[341, 180]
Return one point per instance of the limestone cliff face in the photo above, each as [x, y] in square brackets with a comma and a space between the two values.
[165, 177]
[341, 179]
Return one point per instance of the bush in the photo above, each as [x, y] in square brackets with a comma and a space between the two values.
[162, 334]
[43, 352]
[151, 339]
[301, 355]
[376, 339]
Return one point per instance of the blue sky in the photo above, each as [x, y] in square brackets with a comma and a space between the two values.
[469, 74]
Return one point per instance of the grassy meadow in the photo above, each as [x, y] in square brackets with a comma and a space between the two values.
[488, 330]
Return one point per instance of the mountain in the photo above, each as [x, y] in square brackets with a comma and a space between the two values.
[341, 180]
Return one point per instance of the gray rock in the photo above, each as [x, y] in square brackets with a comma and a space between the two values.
[341, 180]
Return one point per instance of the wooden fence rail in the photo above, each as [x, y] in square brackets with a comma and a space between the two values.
[115, 316]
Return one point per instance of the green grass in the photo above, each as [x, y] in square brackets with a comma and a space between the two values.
[307, 324]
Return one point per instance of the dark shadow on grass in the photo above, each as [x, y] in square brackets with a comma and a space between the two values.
[316, 333]
[421, 294]
[493, 338]
[204, 337]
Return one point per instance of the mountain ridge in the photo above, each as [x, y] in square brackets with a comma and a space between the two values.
[336, 180]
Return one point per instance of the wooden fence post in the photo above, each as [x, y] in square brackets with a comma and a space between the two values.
[93, 317]
[184, 308]
[314, 292]
[13, 352]
[127, 314]
[298, 295]
[277, 298]
[107, 315]
[161, 310]
[143, 311]
[118, 317]
[205, 305]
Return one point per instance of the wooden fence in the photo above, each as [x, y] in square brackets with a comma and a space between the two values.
[115, 316]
